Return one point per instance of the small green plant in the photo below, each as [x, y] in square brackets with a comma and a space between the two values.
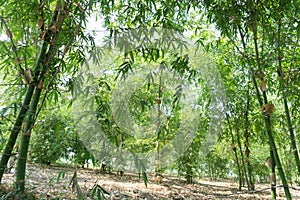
[99, 192]
[76, 186]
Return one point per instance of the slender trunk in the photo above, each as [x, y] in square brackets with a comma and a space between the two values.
[189, 173]
[272, 177]
[242, 158]
[15, 131]
[274, 153]
[247, 150]
[235, 153]
[21, 165]
[285, 103]
[45, 59]
[266, 118]
[158, 123]
[22, 113]
[288, 162]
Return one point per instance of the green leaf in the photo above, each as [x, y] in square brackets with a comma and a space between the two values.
[61, 174]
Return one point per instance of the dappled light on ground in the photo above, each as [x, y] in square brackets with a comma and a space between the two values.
[43, 182]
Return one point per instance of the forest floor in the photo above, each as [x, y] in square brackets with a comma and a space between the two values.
[43, 183]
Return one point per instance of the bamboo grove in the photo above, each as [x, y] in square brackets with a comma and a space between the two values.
[254, 45]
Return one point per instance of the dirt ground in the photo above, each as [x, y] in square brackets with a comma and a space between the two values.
[43, 182]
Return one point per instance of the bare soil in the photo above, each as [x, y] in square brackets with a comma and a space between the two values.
[43, 183]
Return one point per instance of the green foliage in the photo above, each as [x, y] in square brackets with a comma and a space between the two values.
[51, 139]
[55, 137]
[98, 192]
[76, 187]
[7, 114]
[61, 175]
[82, 155]
[259, 155]
[259, 34]
[141, 168]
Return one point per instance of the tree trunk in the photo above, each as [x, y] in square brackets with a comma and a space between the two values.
[247, 150]
[285, 103]
[22, 113]
[15, 130]
[273, 148]
[45, 58]
[235, 153]
[266, 118]
[25, 138]
[243, 168]
[158, 124]
[272, 177]
[189, 173]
